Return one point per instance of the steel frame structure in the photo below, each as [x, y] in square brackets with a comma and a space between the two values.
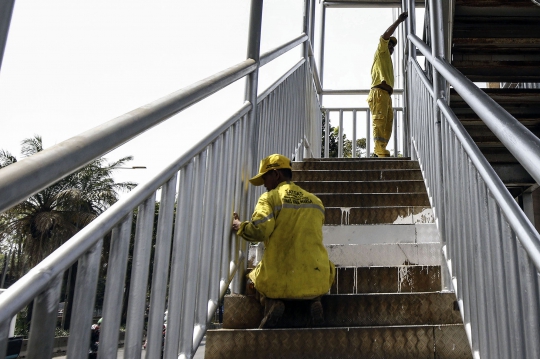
[492, 249]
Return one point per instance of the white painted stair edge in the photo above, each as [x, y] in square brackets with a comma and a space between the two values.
[381, 233]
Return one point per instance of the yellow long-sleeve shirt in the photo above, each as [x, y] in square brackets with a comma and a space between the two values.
[295, 263]
[382, 68]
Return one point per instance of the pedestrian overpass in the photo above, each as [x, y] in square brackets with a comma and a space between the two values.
[478, 153]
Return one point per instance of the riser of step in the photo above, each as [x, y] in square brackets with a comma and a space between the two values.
[347, 175]
[351, 310]
[500, 71]
[339, 164]
[496, 27]
[378, 215]
[414, 342]
[523, 8]
[416, 186]
[403, 279]
[381, 234]
[373, 199]
[385, 255]
[519, 102]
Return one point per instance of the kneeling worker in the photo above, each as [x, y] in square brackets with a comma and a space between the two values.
[289, 221]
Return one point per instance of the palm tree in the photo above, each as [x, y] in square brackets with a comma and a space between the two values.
[43, 222]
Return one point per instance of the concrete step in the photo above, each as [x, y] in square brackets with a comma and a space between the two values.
[416, 186]
[338, 164]
[396, 342]
[350, 310]
[381, 234]
[385, 255]
[402, 279]
[374, 199]
[378, 215]
[351, 175]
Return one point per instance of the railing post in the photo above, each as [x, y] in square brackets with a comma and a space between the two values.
[253, 52]
[410, 27]
[306, 28]
[440, 92]
[6, 10]
[321, 48]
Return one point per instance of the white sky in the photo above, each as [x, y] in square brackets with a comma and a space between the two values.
[71, 65]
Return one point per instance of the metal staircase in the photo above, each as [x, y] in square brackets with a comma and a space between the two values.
[498, 42]
[387, 300]
[421, 247]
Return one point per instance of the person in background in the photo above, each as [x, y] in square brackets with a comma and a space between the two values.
[289, 220]
[382, 86]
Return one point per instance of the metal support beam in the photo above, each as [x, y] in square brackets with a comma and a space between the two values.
[321, 50]
[6, 10]
[252, 80]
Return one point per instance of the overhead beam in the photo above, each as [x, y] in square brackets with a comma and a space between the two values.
[369, 3]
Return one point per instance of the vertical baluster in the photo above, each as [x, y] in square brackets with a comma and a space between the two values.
[530, 302]
[512, 284]
[44, 315]
[179, 258]
[160, 271]
[4, 337]
[204, 263]
[139, 278]
[497, 270]
[116, 281]
[194, 250]
[83, 303]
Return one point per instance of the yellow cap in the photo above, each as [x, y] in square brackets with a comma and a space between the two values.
[272, 162]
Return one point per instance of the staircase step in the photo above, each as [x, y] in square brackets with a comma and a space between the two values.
[378, 215]
[518, 102]
[381, 233]
[416, 186]
[385, 255]
[348, 175]
[524, 105]
[402, 279]
[373, 199]
[339, 164]
[351, 310]
[401, 342]
[494, 8]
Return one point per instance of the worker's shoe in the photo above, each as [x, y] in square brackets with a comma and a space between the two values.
[273, 311]
[380, 149]
[317, 314]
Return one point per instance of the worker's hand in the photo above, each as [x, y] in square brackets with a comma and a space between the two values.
[236, 222]
[403, 16]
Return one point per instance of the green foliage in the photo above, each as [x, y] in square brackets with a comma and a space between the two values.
[36, 227]
[333, 139]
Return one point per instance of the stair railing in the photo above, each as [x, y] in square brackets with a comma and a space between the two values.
[196, 254]
[397, 130]
[491, 247]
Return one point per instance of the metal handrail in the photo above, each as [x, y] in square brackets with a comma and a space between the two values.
[526, 233]
[17, 183]
[521, 142]
[194, 168]
[490, 246]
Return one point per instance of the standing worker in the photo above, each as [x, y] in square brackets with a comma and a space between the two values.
[382, 86]
[289, 221]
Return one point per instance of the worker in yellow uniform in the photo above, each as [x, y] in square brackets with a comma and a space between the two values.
[382, 86]
[289, 221]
